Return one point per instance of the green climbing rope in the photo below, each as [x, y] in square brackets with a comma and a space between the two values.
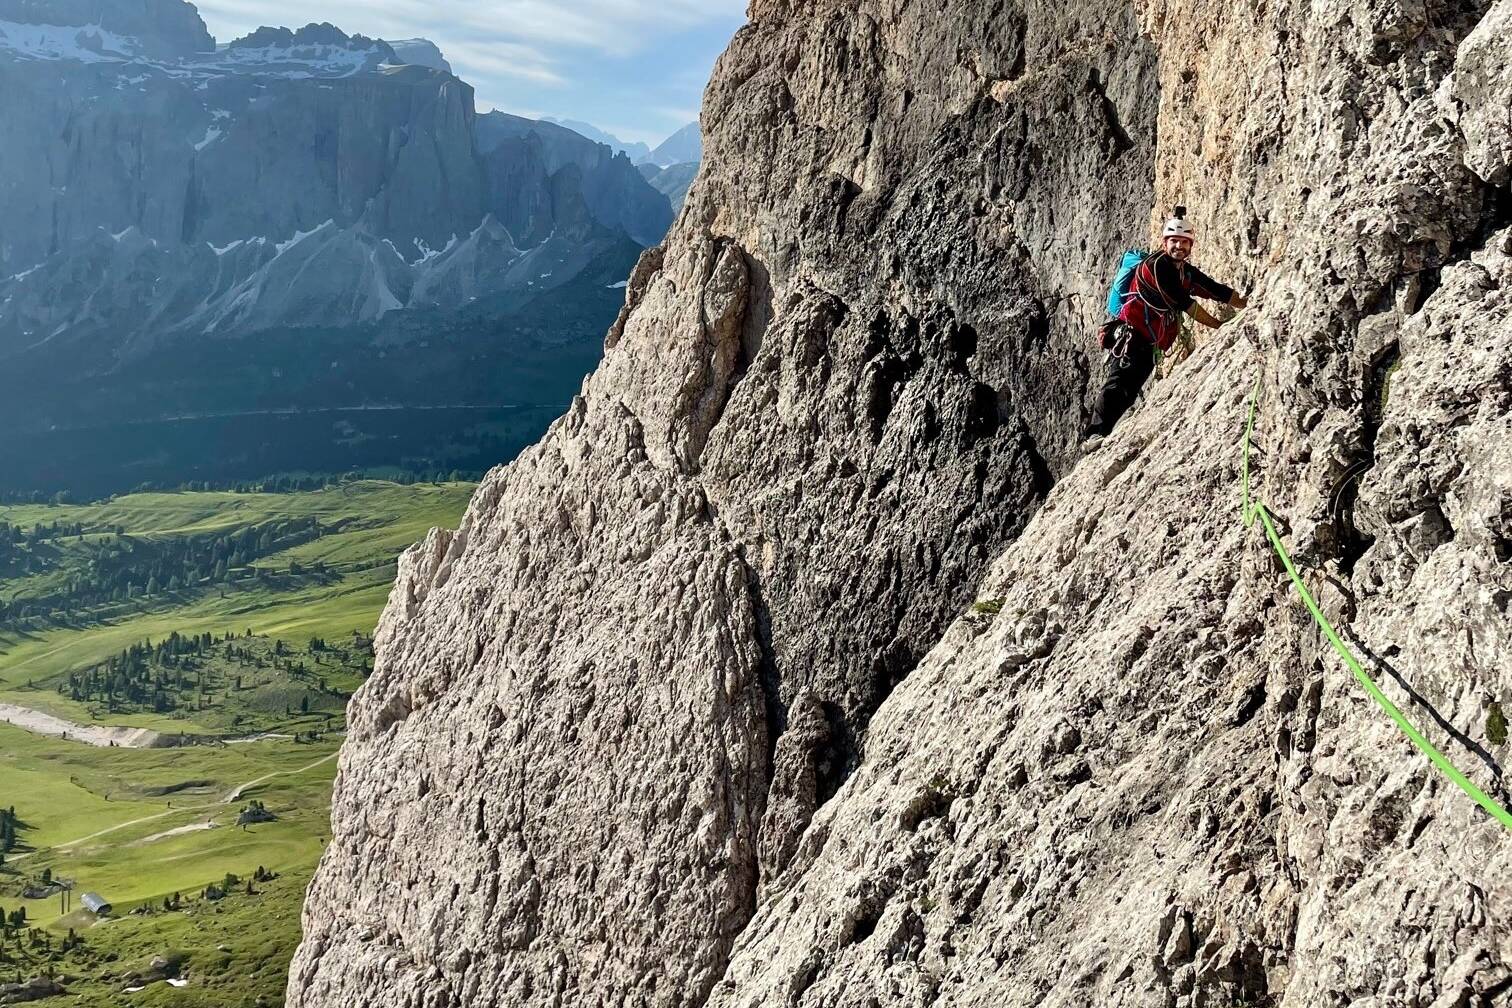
[1255, 509]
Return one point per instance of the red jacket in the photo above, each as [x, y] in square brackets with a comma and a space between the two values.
[1163, 289]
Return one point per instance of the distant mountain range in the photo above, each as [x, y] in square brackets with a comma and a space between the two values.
[673, 181]
[290, 209]
[670, 168]
[683, 147]
[637, 152]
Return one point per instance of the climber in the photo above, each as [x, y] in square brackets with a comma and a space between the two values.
[1151, 292]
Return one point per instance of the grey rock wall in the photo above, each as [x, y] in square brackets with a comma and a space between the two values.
[695, 707]
[524, 156]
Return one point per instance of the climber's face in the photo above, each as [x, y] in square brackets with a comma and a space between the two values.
[1178, 248]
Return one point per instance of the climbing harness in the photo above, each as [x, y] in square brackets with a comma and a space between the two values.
[1121, 342]
[1254, 508]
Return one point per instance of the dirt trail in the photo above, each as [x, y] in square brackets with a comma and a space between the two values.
[243, 788]
[194, 827]
[85, 839]
[101, 736]
[106, 736]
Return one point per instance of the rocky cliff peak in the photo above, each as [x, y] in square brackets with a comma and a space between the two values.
[313, 35]
[683, 147]
[156, 27]
[420, 52]
[636, 152]
[807, 662]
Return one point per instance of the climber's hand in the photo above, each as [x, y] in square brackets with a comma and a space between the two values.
[1203, 316]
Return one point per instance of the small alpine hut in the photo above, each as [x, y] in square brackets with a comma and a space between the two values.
[96, 904]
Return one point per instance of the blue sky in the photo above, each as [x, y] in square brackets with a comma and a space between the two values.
[636, 68]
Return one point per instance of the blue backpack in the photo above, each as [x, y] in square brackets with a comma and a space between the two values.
[1123, 281]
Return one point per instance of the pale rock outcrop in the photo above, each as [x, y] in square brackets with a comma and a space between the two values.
[700, 711]
[1480, 85]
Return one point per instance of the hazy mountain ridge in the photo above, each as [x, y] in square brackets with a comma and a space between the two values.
[327, 277]
[683, 147]
[510, 144]
[672, 182]
[636, 151]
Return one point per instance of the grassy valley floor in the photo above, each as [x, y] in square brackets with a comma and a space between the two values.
[229, 629]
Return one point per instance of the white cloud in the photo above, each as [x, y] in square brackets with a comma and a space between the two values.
[611, 26]
[498, 59]
[614, 26]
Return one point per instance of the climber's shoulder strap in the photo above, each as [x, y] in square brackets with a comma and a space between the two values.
[1147, 287]
[1123, 280]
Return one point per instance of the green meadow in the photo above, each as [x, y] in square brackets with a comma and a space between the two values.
[279, 643]
[107, 818]
[139, 826]
[367, 524]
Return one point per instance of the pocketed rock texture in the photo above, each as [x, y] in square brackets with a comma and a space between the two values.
[695, 708]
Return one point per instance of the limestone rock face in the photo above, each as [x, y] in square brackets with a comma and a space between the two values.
[1481, 82]
[695, 707]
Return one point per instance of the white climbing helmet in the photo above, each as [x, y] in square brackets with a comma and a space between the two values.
[1177, 227]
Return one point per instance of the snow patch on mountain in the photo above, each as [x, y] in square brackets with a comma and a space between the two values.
[300, 236]
[87, 44]
[297, 62]
[324, 276]
[294, 56]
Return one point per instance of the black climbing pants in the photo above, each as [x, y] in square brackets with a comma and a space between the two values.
[1125, 378]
